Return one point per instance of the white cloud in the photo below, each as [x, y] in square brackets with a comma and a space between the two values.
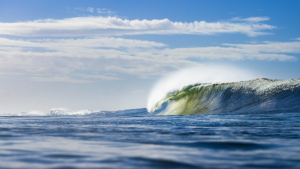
[269, 47]
[59, 79]
[252, 19]
[263, 51]
[80, 43]
[64, 56]
[104, 77]
[94, 58]
[90, 9]
[73, 57]
[105, 11]
[113, 26]
[138, 91]
[81, 9]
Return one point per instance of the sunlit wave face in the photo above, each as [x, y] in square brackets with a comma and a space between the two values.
[205, 74]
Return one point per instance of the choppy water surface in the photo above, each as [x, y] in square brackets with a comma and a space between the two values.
[137, 139]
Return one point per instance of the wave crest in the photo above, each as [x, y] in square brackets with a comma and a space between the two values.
[254, 95]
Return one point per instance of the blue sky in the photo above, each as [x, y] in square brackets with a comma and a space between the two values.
[106, 55]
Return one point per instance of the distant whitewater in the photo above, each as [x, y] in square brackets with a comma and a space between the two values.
[256, 95]
[60, 112]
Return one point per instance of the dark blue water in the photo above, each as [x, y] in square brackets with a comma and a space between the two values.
[136, 139]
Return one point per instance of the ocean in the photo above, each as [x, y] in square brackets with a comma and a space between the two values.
[249, 124]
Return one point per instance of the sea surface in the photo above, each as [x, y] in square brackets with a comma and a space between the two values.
[253, 124]
[135, 139]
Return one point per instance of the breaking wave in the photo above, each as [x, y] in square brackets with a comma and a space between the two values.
[256, 95]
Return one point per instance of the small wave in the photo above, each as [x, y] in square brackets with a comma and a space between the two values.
[127, 112]
[77, 113]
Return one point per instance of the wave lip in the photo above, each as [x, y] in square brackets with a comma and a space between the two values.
[260, 94]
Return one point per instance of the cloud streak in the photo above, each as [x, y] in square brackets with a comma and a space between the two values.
[90, 9]
[90, 59]
[252, 19]
[59, 79]
[113, 26]
[105, 11]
